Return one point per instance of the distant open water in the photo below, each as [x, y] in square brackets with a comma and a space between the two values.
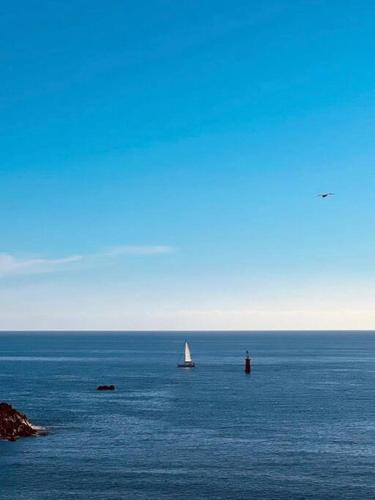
[301, 426]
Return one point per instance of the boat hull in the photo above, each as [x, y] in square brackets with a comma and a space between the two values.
[187, 365]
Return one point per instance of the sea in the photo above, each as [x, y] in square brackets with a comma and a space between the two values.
[300, 426]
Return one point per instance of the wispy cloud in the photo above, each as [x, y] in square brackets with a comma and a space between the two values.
[12, 265]
[138, 250]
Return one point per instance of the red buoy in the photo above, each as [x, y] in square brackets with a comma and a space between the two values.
[247, 363]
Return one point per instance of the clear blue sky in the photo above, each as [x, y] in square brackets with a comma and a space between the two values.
[160, 162]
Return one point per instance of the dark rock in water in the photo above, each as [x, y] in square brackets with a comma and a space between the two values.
[14, 424]
[105, 388]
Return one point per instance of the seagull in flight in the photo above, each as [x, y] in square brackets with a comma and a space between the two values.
[325, 195]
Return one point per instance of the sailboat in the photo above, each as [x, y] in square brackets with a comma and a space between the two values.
[188, 362]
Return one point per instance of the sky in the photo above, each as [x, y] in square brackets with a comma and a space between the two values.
[160, 163]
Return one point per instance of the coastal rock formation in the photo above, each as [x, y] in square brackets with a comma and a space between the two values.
[105, 388]
[14, 424]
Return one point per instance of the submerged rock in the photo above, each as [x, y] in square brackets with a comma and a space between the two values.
[14, 424]
[105, 388]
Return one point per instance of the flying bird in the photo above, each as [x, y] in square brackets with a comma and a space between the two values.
[325, 195]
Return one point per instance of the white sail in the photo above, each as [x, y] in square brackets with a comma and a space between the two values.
[187, 353]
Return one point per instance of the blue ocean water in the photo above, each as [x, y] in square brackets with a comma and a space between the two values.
[301, 426]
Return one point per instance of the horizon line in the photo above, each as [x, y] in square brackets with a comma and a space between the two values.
[189, 331]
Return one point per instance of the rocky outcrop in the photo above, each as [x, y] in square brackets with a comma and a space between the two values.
[14, 424]
[105, 388]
